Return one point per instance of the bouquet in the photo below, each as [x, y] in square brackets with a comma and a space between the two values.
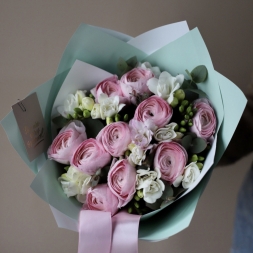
[135, 134]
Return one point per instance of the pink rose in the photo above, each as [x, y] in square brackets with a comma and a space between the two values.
[115, 138]
[204, 121]
[122, 180]
[110, 87]
[66, 142]
[101, 198]
[155, 109]
[135, 82]
[170, 159]
[90, 156]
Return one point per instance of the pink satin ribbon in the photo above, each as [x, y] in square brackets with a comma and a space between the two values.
[101, 233]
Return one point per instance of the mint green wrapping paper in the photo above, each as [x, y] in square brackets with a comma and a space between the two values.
[102, 48]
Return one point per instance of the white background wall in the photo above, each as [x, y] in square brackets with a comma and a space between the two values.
[33, 35]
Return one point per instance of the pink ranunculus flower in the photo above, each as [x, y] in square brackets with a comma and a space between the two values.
[204, 121]
[110, 86]
[170, 159]
[66, 142]
[122, 181]
[90, 156]
[155, 109]
[115, 138]
[134, 82]
[100, 198]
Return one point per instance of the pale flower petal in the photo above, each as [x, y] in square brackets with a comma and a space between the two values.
[166, 85]
[166, 133]
[191, 173]
[152, 85]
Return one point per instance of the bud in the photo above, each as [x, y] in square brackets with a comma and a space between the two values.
[186, 116]
[174, 103]
[130, 210]
[182, 123]
[179, 94]
[182, 130]
[87, 103]
[75, 115]
[136, 197]
[181, 108]
[194, 158]
[86, 114]
[126, 117]
[127, 153]
[201, 158]
[136, 204]
[140, 193]
[188, 109]
[109, 120]
[185, 102]
[200, 165]
[117, 117]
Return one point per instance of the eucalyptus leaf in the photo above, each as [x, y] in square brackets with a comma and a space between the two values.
[186, 141]
[198, 145]
[188, 73]
[199, 74]
[60, 121]
[132, 62]
[168, 191]
[93, 127]
[122, 65]
[199, 92]
[185, 84]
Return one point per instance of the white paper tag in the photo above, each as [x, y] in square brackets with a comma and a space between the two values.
[31, 125]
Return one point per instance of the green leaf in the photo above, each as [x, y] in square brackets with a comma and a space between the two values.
[186, 141]
[188, 73]
[199, 92]
[199, 74]
[198, 145]
[168, 191]
[78, 111]
[93, 127]
[132, 62]
[60, 121]
[122, 65]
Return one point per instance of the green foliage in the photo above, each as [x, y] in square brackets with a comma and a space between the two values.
[93, 127]
[60, 121]
[125, 66]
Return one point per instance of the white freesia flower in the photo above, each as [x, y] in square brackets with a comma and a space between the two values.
[137, 155]
[95, 112]
[166, 85]
[71, 102]
[167, 133]
[146, 65]
[151, 184]
[69, 105]
[109, 106]
[75, 183]
[80, 94]
[87, 103]
[191, 173]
